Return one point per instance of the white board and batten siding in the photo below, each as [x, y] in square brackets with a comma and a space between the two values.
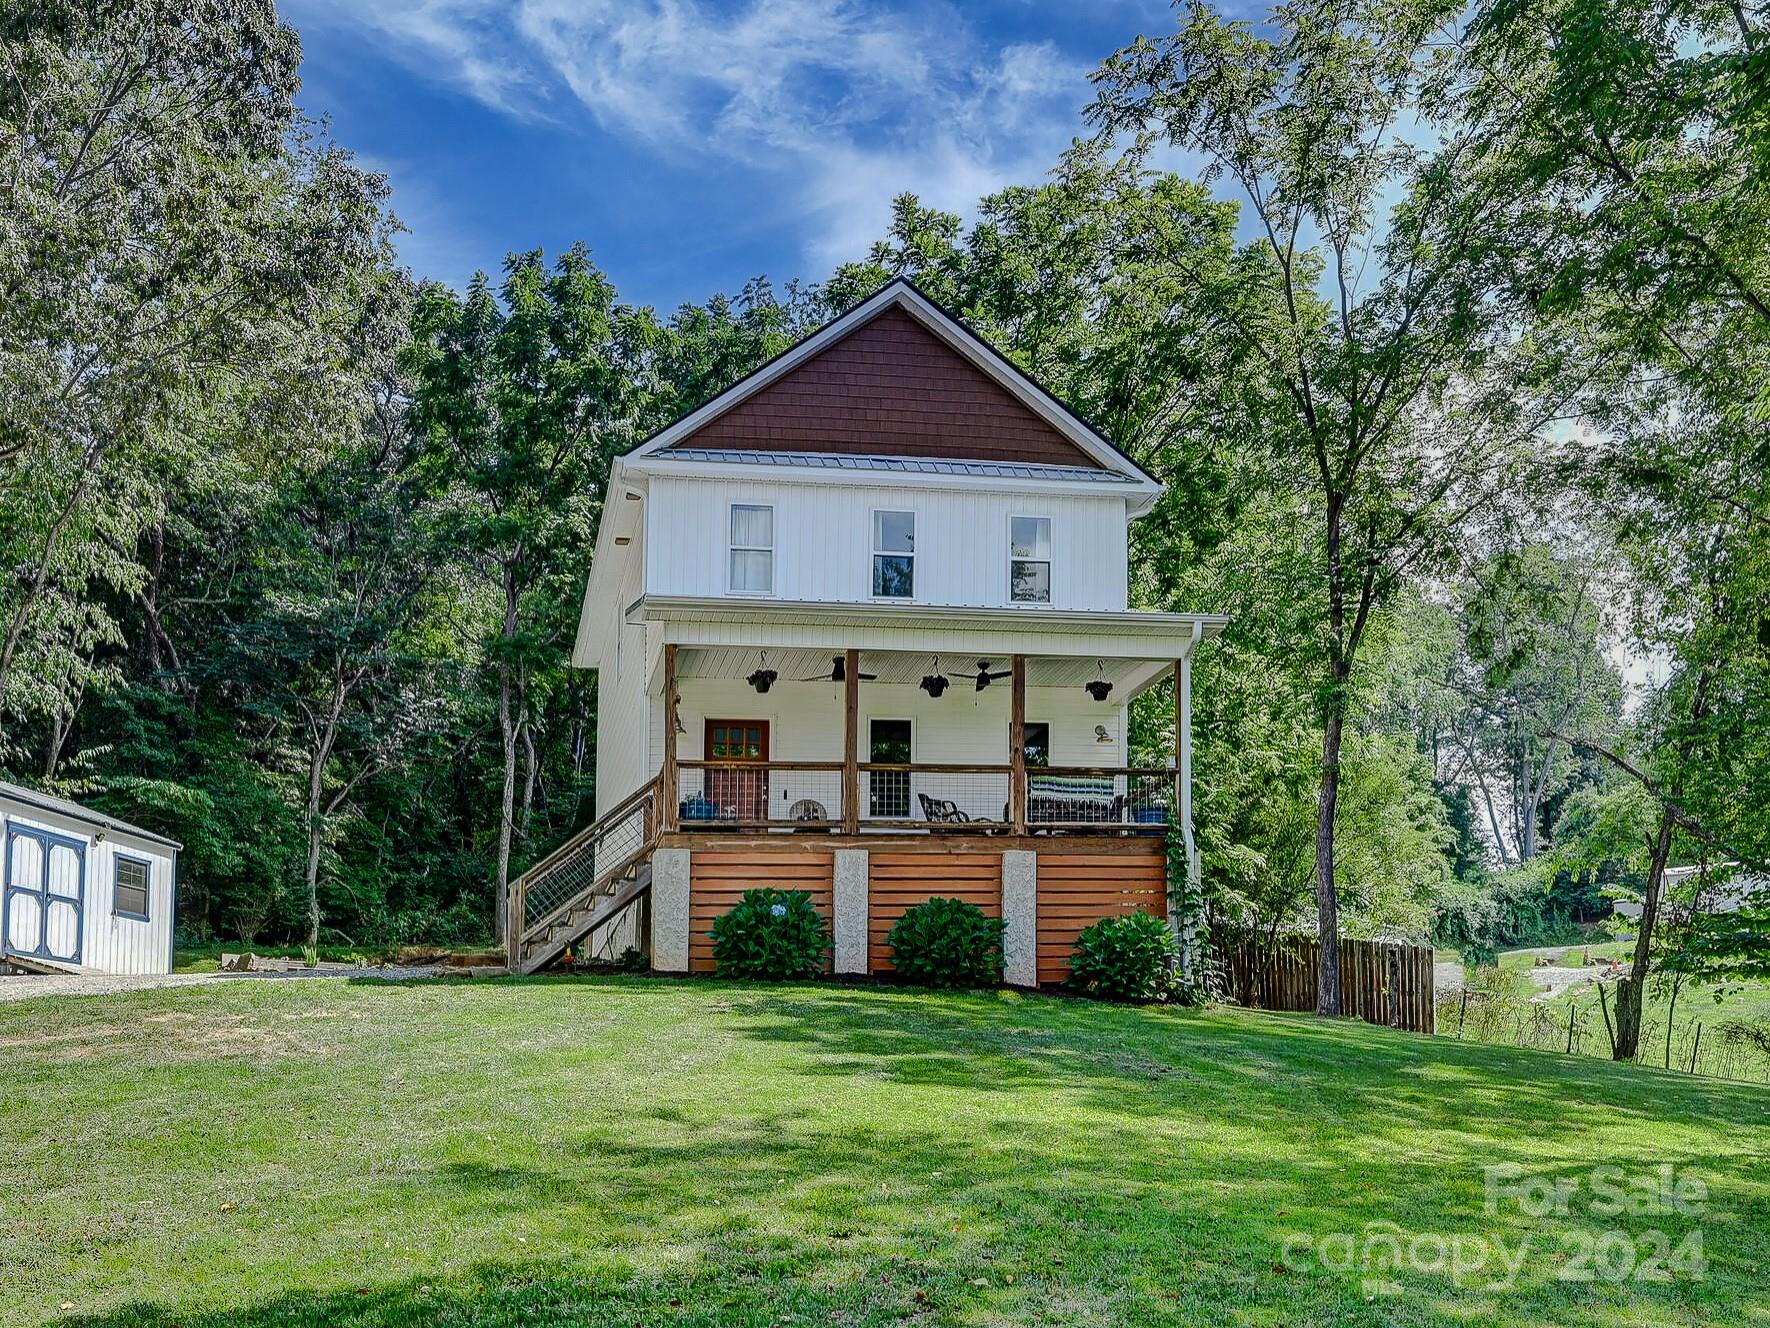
[622, 705]
[58, 891]
[823, 541]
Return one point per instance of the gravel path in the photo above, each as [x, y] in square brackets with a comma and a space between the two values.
[25, 988]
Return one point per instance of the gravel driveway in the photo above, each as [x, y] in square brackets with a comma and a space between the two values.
[25, 988]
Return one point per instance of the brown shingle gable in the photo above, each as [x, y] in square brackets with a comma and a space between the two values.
[890, 388]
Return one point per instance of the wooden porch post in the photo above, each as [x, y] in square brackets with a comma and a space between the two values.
[1017, 744]
[667, 771]
[850, 742]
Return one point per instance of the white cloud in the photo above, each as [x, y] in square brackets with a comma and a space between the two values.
[843, 103]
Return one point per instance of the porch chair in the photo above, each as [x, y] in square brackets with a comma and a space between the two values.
[809, 809]
[941, 810]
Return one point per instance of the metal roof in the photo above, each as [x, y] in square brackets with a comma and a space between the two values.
[1014, 470]
[48, 802]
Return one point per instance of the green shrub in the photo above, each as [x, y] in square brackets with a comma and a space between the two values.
[774, 935]
[1129, 958]
[947, 943]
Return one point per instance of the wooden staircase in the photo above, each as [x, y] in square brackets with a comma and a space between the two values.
[585, 884]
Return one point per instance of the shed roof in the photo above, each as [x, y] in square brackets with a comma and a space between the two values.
[48, 802]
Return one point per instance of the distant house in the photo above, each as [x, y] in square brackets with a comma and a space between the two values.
[83, 891]
[1725, 898]
[861, 626]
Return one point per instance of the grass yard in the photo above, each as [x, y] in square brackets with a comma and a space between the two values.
[631, 1151]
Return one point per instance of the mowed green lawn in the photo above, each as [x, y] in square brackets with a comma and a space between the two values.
[652, 1152]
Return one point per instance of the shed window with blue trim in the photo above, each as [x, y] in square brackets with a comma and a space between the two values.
[133, 878]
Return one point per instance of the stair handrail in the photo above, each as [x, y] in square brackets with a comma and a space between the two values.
[520, 926]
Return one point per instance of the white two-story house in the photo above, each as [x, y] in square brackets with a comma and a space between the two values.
[860, 626]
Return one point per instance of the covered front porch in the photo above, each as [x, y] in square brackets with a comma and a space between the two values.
[875, 756]
[814, 740]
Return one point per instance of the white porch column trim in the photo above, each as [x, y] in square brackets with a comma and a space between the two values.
[1185, 929]
[669, 910]
[850, 906]
[1020, 910]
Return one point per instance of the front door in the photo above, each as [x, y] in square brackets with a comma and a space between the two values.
[888, 791]
[738, 795]
[45, 894]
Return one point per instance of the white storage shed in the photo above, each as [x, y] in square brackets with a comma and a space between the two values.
[82, 891]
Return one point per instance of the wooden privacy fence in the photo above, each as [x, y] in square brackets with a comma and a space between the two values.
[1379, 983]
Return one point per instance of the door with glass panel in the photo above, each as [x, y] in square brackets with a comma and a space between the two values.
[888, 791]
[738, 794]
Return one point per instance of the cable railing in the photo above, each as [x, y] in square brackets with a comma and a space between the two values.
[1089, 797]
[925, 796]
[796, 795]
[589, 861]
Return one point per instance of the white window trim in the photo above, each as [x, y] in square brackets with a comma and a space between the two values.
[118, 858]
[770, 550]
[1050, 562]
[875, 552]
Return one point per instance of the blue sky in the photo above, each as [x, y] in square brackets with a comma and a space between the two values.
[694, 144]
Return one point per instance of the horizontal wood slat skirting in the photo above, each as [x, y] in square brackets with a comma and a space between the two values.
[717, 881]
[1078, 889]
[1075, 887]
[897, 882]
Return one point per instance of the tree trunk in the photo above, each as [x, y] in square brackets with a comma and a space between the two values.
[1327, 900]
[525, 827]
[315, 836]
[1631, 991]
[507, 731]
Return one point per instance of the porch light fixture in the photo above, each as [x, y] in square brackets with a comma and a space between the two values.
[1101, 735]
[934, 683]
[676, 706]
[1100, 688]
[763, 678]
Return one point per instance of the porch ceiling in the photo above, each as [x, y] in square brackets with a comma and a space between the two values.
[813, 665]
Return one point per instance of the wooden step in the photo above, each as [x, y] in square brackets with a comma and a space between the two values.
[579, 922]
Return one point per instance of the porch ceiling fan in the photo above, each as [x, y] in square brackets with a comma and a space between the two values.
[985, 677]
[838, 673]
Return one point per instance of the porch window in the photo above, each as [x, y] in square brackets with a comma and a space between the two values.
[132, 888]
[752, 549]
[894, 555]
[888, 793]
[1029, 559]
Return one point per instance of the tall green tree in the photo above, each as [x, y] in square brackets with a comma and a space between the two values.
[172, 241]
[1628, 141]
[521, 399]
[1396, 423]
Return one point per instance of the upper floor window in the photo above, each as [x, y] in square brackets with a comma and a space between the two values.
[1029, 559]
[132, 887]
[752, 549]
[894, 555]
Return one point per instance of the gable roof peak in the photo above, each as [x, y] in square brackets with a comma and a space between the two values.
[912, 380]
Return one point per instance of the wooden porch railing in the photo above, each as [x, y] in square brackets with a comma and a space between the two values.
[571, 878]
[928, 796]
